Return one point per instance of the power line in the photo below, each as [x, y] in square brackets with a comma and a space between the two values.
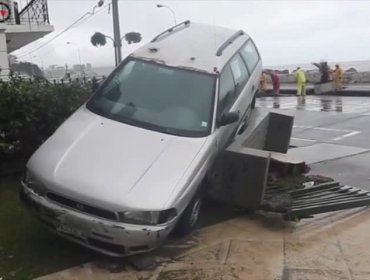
[76, 23]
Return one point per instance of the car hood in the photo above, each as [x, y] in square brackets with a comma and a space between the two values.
[110, 164]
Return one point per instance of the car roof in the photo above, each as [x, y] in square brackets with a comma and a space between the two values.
[193, 46]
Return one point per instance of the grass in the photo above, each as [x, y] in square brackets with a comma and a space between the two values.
[27, 249]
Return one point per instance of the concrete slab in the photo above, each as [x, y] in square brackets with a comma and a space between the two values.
[259, 246]
[323, 152]
[239, 177]
[267, 130]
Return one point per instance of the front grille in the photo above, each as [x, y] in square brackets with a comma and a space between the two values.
[82, 207]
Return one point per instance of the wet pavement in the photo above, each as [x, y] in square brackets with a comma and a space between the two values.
[255, 247]
[342, 122]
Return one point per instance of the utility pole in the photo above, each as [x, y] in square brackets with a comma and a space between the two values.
[117, 33]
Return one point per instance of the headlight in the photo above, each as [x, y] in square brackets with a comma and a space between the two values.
[147, 217]
[30, 181]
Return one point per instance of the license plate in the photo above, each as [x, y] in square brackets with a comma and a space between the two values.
[69, 230]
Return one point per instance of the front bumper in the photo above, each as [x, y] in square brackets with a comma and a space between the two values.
[108, 237]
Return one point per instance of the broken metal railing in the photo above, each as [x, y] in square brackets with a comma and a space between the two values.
[322, 198]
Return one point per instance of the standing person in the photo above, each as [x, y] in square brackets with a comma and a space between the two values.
[338, 77]
[275, 82]
[263, 82]
[300, 78]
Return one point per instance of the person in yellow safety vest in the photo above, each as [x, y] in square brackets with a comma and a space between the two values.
[338, 77]
[300, 78]
[263, 82]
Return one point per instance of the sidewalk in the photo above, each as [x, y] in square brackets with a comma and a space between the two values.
[260, 246]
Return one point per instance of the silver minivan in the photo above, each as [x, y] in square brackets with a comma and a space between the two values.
[127, 168]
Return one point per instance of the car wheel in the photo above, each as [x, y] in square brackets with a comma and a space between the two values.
[189, 217]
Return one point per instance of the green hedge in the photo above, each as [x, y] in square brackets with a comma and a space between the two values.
[30, 111]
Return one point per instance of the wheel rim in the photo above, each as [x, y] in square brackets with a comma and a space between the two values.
[195, 212]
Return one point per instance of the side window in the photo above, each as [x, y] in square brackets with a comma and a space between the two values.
[240, 73]
[227, 93]
[250, 55]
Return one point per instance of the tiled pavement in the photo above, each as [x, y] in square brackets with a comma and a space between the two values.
[330, 246]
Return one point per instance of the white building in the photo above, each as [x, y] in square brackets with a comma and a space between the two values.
[20, 26]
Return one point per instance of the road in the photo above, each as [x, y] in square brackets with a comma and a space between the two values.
[335, 132]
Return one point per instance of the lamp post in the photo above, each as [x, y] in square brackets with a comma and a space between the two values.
[98, 38]
[173, 13]
[116, 30]
[117, 33]
[79, 55]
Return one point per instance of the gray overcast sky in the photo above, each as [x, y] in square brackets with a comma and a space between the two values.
[286, 32]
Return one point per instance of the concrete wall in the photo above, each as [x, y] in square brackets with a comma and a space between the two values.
[4, 63]
[240, 177]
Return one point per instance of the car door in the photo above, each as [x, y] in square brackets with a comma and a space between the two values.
[232, 82]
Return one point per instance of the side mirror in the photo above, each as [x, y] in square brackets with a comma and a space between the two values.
[229, 118]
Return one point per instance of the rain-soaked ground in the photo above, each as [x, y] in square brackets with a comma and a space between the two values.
[341, 123]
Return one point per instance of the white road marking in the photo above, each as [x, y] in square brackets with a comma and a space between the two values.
[303, 139]
[347, 133]
[353, 133]
[321, 128]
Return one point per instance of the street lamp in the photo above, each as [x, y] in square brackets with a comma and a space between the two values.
[173, 13]
[79, 55]
[99, 39]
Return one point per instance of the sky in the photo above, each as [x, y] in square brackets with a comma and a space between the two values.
[285, 32]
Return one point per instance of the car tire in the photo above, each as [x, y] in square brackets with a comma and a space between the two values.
[189, 217]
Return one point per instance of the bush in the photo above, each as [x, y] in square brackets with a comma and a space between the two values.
[30, 111]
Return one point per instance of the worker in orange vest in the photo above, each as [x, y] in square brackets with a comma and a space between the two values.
[338, 77]
[263, 82]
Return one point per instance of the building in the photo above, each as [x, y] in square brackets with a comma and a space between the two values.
[20, 26]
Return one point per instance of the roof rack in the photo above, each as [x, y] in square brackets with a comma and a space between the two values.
[169, 30]
[229, 42]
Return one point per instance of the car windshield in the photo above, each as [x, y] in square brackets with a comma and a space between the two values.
[157, 97]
